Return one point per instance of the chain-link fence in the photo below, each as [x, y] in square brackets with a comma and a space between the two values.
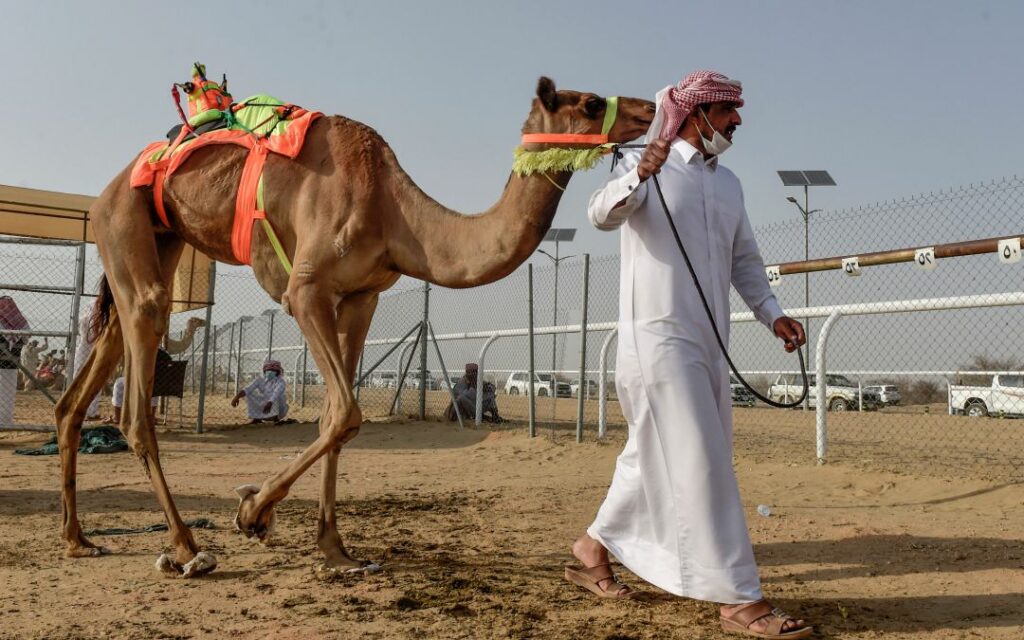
[901, 378]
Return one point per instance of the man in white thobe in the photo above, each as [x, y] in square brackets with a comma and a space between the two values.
[673, 514]
[266, 398]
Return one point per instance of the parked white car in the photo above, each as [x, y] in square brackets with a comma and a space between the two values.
[888, 394]
[517, 385]
[384, 380]
[840, 393]
[589, 391]
[1005, 397]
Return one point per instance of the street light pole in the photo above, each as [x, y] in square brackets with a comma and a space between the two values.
[554, 323]
[557, 236]
[806, 179]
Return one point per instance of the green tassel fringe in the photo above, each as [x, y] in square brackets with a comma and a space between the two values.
[529, 162]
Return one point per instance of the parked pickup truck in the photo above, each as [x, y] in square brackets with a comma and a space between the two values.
[840, 393]
[1004, 398]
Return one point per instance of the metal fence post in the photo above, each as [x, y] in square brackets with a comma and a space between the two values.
[76, 304]
[299, 375]
[213, 363]
[583, 349]
[227, 367]
[305, 365]
[602, 389]
[821, 426]
[238, 360]
[423, 351]
[270, 336]
[201, 409]
[532, 402]
[480, 380]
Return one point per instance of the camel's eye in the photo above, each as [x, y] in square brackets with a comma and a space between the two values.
[593, 106]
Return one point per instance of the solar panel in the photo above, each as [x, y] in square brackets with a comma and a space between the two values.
[560, 235]
[793, 178]
[819, 179]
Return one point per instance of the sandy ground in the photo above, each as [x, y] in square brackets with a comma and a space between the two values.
[472, 529]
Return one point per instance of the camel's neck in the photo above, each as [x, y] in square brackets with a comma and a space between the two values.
[431, 242]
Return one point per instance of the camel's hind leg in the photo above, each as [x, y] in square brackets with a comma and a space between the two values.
[69, 412]
[139, 267]
[354, 316]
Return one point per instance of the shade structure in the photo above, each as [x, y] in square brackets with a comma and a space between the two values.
[54, 215]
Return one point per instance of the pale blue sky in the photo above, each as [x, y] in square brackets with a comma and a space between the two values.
[894, 98]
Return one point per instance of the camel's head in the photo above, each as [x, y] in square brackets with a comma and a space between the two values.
[195, 323]
[248, 520]
[575, 112]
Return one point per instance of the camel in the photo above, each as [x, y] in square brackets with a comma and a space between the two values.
[352, 222]
[182, 344]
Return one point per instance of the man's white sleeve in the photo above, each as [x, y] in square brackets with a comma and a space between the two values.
[749, 278]
[623, 186]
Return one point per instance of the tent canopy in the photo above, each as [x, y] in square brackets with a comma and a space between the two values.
[65, 216]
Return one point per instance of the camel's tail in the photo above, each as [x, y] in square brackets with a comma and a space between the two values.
[100, 318]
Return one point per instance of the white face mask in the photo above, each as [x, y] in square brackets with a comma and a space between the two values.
[718, 144]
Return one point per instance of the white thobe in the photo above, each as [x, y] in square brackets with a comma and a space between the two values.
[673, 514]
[261, 391]
[82, 351]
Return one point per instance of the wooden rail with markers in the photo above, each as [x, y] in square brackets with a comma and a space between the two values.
[1008, 248]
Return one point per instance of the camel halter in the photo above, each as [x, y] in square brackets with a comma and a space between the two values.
[562, 159]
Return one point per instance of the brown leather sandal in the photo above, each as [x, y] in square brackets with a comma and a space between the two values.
[741, 619]
[590, 578]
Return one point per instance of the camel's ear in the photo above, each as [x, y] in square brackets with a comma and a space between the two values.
[246, 490]
[547, 93]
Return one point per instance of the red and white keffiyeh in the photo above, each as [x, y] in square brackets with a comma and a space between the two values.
[699, 87]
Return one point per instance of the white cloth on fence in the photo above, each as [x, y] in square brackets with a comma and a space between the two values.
[673, 513]
[8, 392]
[117, 397]
[82, 352]
[261, 391]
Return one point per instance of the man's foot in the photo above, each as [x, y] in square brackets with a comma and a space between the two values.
[596, 573]
[761, 620]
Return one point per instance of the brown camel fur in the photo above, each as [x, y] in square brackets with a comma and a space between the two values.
[352, 222]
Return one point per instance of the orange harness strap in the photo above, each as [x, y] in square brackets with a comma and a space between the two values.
[158, 196]
[245, 203]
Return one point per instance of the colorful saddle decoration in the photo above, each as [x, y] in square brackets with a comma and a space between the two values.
[262, 124]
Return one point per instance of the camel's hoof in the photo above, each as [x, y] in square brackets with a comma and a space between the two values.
[259, 530]
[88, 552]
[364, 568]
[200, 565]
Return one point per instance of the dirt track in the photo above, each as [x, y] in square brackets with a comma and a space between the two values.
[472, 529]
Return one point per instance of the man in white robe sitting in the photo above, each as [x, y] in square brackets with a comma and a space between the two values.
[673, 514]
[266, 397]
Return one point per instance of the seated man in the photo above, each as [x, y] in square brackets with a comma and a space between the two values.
[266, 397]
[465, 395]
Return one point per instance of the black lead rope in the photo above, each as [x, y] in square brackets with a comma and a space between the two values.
[707, 307]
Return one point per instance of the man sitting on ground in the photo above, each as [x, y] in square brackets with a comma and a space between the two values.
[465, 395]
[266, 398]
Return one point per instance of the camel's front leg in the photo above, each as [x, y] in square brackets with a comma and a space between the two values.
[314, 309]
[70, 411]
